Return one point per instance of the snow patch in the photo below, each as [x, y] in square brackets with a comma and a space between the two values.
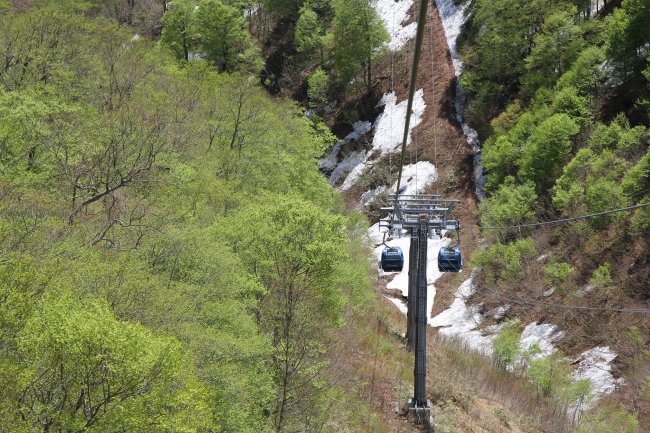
[393, 14]
[595, 365]
[330, 163]
[387, 138]
[415, 179]
[460, 321]
[498, 313]
[453, 18]
[543, 336]
[368, 196]
[401, 306]
[389, 126]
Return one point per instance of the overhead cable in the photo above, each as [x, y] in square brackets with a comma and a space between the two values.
[409, 106]
[562, 220]
[572, 307]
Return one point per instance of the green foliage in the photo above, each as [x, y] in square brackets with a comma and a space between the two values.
[38, 46]
[358, 38]
[556, 273]
[505, 261]
[294, 248]
[505, 347]
[640, 224]
[499, 157]
[555, 48]
[501, 153]
[84, 369]
[618, 135]
[628, 33]
[284, 8]
[510, 205]
[551, 378]
[123, 176]
[596, 179]
[546, 151]
[318, 85]
[568, 101]
[606, 419]
[591, 185]
[215, 31]
[636, 178]
[223, 36]
[601, 278]
[310, 34]
[178, 30]
[499, 41]
[585, 73]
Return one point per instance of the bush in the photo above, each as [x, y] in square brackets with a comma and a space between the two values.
[505, 260]
[557, 273]
[318, 86]
[505, 347]
[601, 277]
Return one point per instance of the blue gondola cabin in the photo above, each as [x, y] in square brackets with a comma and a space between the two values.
[392, 259]
[450, 260]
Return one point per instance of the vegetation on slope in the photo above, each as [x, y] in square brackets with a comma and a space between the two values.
[170, 257]
[560, 98]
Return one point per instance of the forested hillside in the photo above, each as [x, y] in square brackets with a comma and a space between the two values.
[170, 257]
[559, 92]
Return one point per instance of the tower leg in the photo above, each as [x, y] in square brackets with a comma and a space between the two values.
[420, 414]
[421, 317]
[412, 291]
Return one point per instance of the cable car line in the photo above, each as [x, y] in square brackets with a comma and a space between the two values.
[561, 220]
[570, 307]
[409, 105]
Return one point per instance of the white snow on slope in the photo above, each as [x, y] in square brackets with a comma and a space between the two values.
[415, 179]
[544, 336]
[401, 306]
[389, 130]
[453, 18]
[460, 321]
[595, 365]
[330, 163]
[393, 14]
[389, 126]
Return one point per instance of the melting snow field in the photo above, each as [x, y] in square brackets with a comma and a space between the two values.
[389, 126]
[415, 178]
[461, 320]
[393, 14]
[389, 130]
